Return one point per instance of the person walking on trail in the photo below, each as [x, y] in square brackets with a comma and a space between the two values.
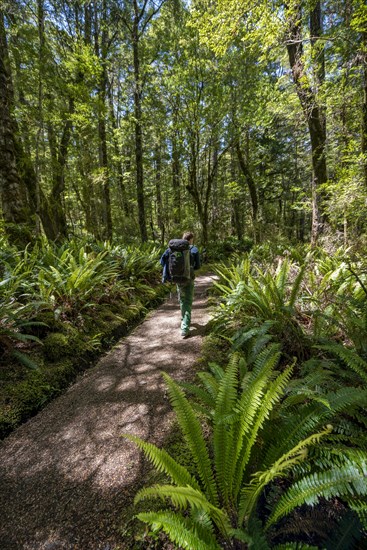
[179, 262]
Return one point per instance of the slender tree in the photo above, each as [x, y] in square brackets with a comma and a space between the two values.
[136, 18]
[15, 206]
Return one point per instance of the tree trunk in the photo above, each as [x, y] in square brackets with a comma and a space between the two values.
[315, 215]
[193, 189]
[59, 154]
[252, 189]
[138, 129]
[309, 102]
[41, 63]
[201, 192]
[236, 223]
[119, 165]
[158, 174]
[176, 179]
[364, 106]
[15, 207]
[103, 157]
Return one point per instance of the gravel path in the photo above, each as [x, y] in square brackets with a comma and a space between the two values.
[66, 475]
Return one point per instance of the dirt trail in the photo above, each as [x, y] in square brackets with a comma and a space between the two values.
[66, 476]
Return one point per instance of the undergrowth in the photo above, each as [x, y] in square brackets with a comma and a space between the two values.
[274, 426]
[60, 307]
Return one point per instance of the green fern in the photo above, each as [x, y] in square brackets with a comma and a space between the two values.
[163, 462]
[348, 356]
[180, 530]
[193, 434]
[347, 534]
[272, 395]
[224, 434]
[295, 546]
[251, 492]
[187, 497]
[348, 480]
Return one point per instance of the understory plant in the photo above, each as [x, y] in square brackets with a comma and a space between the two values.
[59, 305]
[255, 463]
[250, 296]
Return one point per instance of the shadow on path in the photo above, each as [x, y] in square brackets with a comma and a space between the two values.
[67, 475]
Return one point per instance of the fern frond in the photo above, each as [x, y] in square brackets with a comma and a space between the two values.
[348, 532]
[295, 546]
[202, 524]
[223, 432]
[346, 481]
[163, 462]
[200, 393]
[194, 437]
[348, 356]
[185, 497]
[25, 360]
[210, 383]
[216, 370]
[251, 493]
[281, 277]
[299, 425]
[266, 359]
[273, 394]
[258, 346]
[179, 529]
[359, 506]
[256, 531]
[296, 286]
[249, 404]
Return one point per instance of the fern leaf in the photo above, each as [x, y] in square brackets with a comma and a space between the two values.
[193, 434]
[216, 370]
[282, 276]
[210, 383]
[348, 356]
[256, 531]
[163, 462]
[25, 360]
[303, 423]
[251, 493]
[178, 528]
[223, 431]
[359, 506]
[266, 359]
[296, 286]
[349, 531]
[295, 546]
[346, 481]
[185, 497]
[272, 395]
[203, 395]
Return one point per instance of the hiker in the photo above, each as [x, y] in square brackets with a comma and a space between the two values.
[179, 262]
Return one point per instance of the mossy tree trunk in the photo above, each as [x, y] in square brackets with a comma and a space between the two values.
[15, 204]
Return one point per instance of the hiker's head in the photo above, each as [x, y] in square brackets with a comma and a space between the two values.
[188, 236]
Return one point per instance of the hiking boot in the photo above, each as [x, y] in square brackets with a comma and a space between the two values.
[185, 334]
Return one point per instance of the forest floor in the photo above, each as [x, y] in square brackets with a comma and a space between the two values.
[67, 477]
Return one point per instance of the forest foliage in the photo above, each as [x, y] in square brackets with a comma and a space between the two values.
[137, 119]
[124, 123]
[276, 434]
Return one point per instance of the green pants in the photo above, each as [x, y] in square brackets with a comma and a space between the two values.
[185, 297]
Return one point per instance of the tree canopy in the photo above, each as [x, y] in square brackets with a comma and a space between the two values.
[136, 119]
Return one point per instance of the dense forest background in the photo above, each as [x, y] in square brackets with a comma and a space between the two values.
[124, 123]
[136, 119]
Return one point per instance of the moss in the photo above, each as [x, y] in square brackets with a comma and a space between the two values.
[55, 346]
[214, 349]
[67, 349]
[50, 324]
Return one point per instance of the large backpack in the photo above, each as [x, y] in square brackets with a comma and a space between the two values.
[179, 260]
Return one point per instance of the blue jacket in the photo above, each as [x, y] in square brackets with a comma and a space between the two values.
[194, 261]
